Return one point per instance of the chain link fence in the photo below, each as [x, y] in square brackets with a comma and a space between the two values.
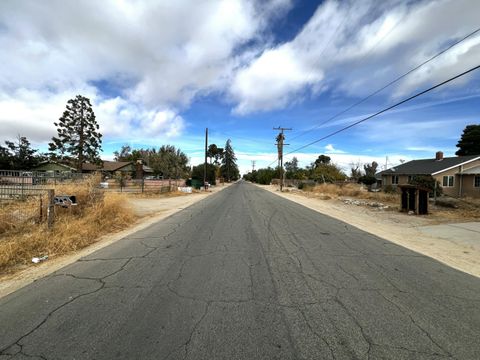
[38, 179]
[24, 205]
[142, 185]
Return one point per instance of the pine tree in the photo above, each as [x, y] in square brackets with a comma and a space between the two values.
[229, 163]
[78, 135]
[469, 143]
[22, 156]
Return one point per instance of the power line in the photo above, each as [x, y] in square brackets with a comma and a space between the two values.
[384, 110]
[387, 109]
[389, 84]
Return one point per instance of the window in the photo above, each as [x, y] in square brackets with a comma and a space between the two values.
[410, 178]
[394, 179]
[476, 181]
[448, 181]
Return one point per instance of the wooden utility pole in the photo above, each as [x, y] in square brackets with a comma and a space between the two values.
[280, 144]
[205, 164]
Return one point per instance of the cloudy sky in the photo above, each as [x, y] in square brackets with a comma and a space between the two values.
[160, 72]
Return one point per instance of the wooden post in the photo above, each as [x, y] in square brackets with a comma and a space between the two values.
[417, 201]
[50, 208]
[40, 215]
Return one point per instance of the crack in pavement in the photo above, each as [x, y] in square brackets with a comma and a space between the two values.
[404, 312]
[69, 301]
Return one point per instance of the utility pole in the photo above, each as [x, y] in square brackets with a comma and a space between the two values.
[280, 144]
[253, 165]
[205, 164]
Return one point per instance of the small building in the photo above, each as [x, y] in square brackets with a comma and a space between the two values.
[458, 176]
[414, 199]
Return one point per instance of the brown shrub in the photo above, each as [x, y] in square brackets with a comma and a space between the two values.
[350, 190]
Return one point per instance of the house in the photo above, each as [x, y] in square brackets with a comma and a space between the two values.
[53, 166]
[459, 176]
[109, 168]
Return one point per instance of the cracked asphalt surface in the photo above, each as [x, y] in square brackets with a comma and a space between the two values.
[245, 274]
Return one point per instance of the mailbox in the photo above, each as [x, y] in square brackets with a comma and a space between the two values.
[65, 201]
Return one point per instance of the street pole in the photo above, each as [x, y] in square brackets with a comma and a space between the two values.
[205, 164]
[280, 144]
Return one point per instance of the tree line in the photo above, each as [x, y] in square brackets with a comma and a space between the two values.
[78, 141]
[322, 170]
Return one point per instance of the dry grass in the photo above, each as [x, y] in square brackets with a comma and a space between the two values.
[461, 209]
[96, 214]
[156, 194]
[334, 191]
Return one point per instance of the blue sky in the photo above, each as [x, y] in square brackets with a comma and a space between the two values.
[161, 72]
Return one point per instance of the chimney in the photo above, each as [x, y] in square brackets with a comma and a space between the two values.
[439, 156]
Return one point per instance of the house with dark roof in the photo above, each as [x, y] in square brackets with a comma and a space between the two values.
[459, 176]
[109, 168]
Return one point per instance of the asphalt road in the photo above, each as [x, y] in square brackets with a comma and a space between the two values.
[245, 274]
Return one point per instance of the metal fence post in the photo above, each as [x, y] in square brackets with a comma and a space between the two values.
[50, 208]
[23, 184]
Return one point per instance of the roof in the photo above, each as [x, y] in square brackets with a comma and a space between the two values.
[90, 167]
[472, 171]
[428, 166]
[115, 165]
[47, 162]
[107, 166]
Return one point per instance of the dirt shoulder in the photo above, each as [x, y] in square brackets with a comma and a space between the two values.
[149, 209]
[428, 235]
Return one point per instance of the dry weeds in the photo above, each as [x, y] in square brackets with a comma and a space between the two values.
[76, 227]
[156, 194]
[334, 191]
[461, 210]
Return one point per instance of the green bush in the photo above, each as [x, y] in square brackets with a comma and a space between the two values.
[428, 182]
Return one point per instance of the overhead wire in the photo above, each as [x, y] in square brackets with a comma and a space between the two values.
[364, 56]
[383, 110]
[388, 84]
[388, 108]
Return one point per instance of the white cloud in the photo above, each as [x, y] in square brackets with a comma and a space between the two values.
[357, 47]
[272, 81]
[156, 56]
[329, 149]
[166, 51]
[32, 114]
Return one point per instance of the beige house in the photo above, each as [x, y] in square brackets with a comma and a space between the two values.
[459, 176]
